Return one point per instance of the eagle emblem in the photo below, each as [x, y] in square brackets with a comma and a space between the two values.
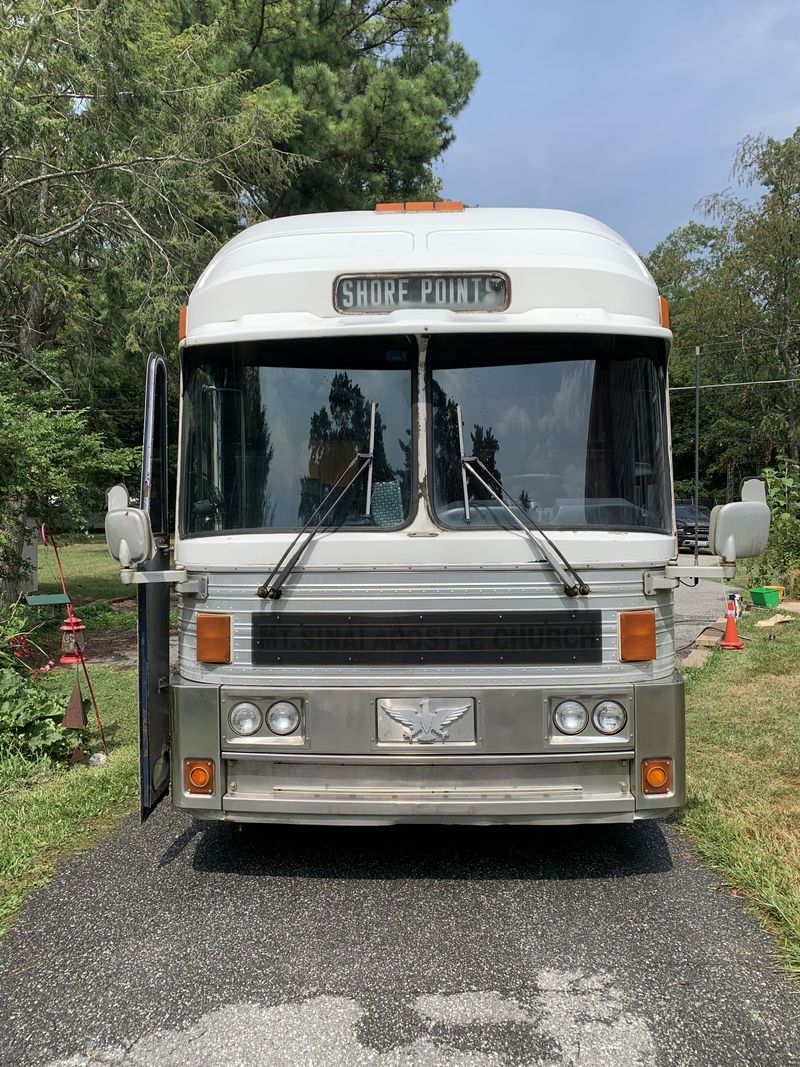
[422, 724]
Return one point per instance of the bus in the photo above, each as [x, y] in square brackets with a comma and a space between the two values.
[424, 535]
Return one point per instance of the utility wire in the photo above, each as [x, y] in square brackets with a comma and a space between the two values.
[731, 385]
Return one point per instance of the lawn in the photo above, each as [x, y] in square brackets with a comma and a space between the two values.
[743, 815]
[91, 574]
[46, 812]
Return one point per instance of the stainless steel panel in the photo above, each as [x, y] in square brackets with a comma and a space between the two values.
[195, 735]
[661, 733]
[452, 589]
[476, 791]
[344, 721]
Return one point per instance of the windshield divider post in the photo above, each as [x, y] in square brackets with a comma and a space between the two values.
[464, 482]
[373, 408]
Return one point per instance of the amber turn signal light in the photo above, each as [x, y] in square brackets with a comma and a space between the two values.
[656, 776]
[182, 322]
[663, 307]
[213, 638]
[198, 776]
[637, 636]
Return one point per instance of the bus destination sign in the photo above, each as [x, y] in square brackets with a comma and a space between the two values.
[364, 294]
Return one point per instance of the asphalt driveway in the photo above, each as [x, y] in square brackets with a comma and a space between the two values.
[405, 947]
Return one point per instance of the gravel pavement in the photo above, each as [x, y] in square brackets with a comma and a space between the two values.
[197, 943]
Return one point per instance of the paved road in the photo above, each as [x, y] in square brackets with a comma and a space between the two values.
[406, 947]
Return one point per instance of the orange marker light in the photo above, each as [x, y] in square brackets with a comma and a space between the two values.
[213, 638]
[637, 636]
[182, 320]
[420, 205]
[656, 776]
[664, 309]
[198, 776]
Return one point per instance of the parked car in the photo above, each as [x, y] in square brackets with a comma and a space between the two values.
[692, 525]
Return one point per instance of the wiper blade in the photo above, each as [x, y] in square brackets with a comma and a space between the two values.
[272, 586]
[573, 584]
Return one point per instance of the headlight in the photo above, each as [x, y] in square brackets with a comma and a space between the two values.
[570, 717]
[283, 718]
[245, 718]
[609, 717]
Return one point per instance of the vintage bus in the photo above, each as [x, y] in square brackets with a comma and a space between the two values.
[424, 539]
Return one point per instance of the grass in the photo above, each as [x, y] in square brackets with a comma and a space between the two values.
[743, 741]
[47, 812]
[92, 579]
[90, 573]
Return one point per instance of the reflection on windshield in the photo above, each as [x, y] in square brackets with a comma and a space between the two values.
[571, 426]
[270, 428]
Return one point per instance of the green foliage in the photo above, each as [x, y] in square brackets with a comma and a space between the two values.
[48, 457]
[734, 291]
[373, 86]
[780, 564]
[30, 717]
[136, 137]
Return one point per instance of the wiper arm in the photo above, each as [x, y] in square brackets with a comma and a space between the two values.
[573, 584]
[271, 587]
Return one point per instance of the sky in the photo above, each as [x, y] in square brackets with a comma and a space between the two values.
[627, 110]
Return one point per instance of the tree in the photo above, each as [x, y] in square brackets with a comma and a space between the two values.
[124, 156]
[764, 246]
[733, 290]
[47, 457]
[374, 85]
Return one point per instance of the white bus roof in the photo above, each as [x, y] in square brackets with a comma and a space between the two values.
[567, 272]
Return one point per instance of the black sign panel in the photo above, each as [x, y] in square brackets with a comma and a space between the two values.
[361, 294]
[435, 638]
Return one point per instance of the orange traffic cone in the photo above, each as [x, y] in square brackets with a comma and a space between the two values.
[731, 639]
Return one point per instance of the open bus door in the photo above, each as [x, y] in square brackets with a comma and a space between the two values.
[153, 597]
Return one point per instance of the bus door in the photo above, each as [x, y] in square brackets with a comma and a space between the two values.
[153, 598]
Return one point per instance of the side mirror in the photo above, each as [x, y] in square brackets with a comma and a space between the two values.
[739, 530]
[754, 489]
[129, 535]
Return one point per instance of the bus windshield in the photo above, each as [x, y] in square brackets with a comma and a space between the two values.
[270, 426]
[573, 426]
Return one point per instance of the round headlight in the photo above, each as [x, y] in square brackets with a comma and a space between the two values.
[609, 717]
[283, 718]
[571, 717]
[245, 718]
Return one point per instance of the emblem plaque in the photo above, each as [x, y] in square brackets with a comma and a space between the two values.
[426, 721]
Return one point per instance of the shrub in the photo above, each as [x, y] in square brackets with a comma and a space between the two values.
[780, 564]
[30, 719]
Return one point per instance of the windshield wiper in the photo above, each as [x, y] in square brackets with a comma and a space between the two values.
[271, 587]
[573, 584]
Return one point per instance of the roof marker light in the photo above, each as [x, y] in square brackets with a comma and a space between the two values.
[420, 205]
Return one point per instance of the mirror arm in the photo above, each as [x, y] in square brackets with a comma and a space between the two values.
[183, 584]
